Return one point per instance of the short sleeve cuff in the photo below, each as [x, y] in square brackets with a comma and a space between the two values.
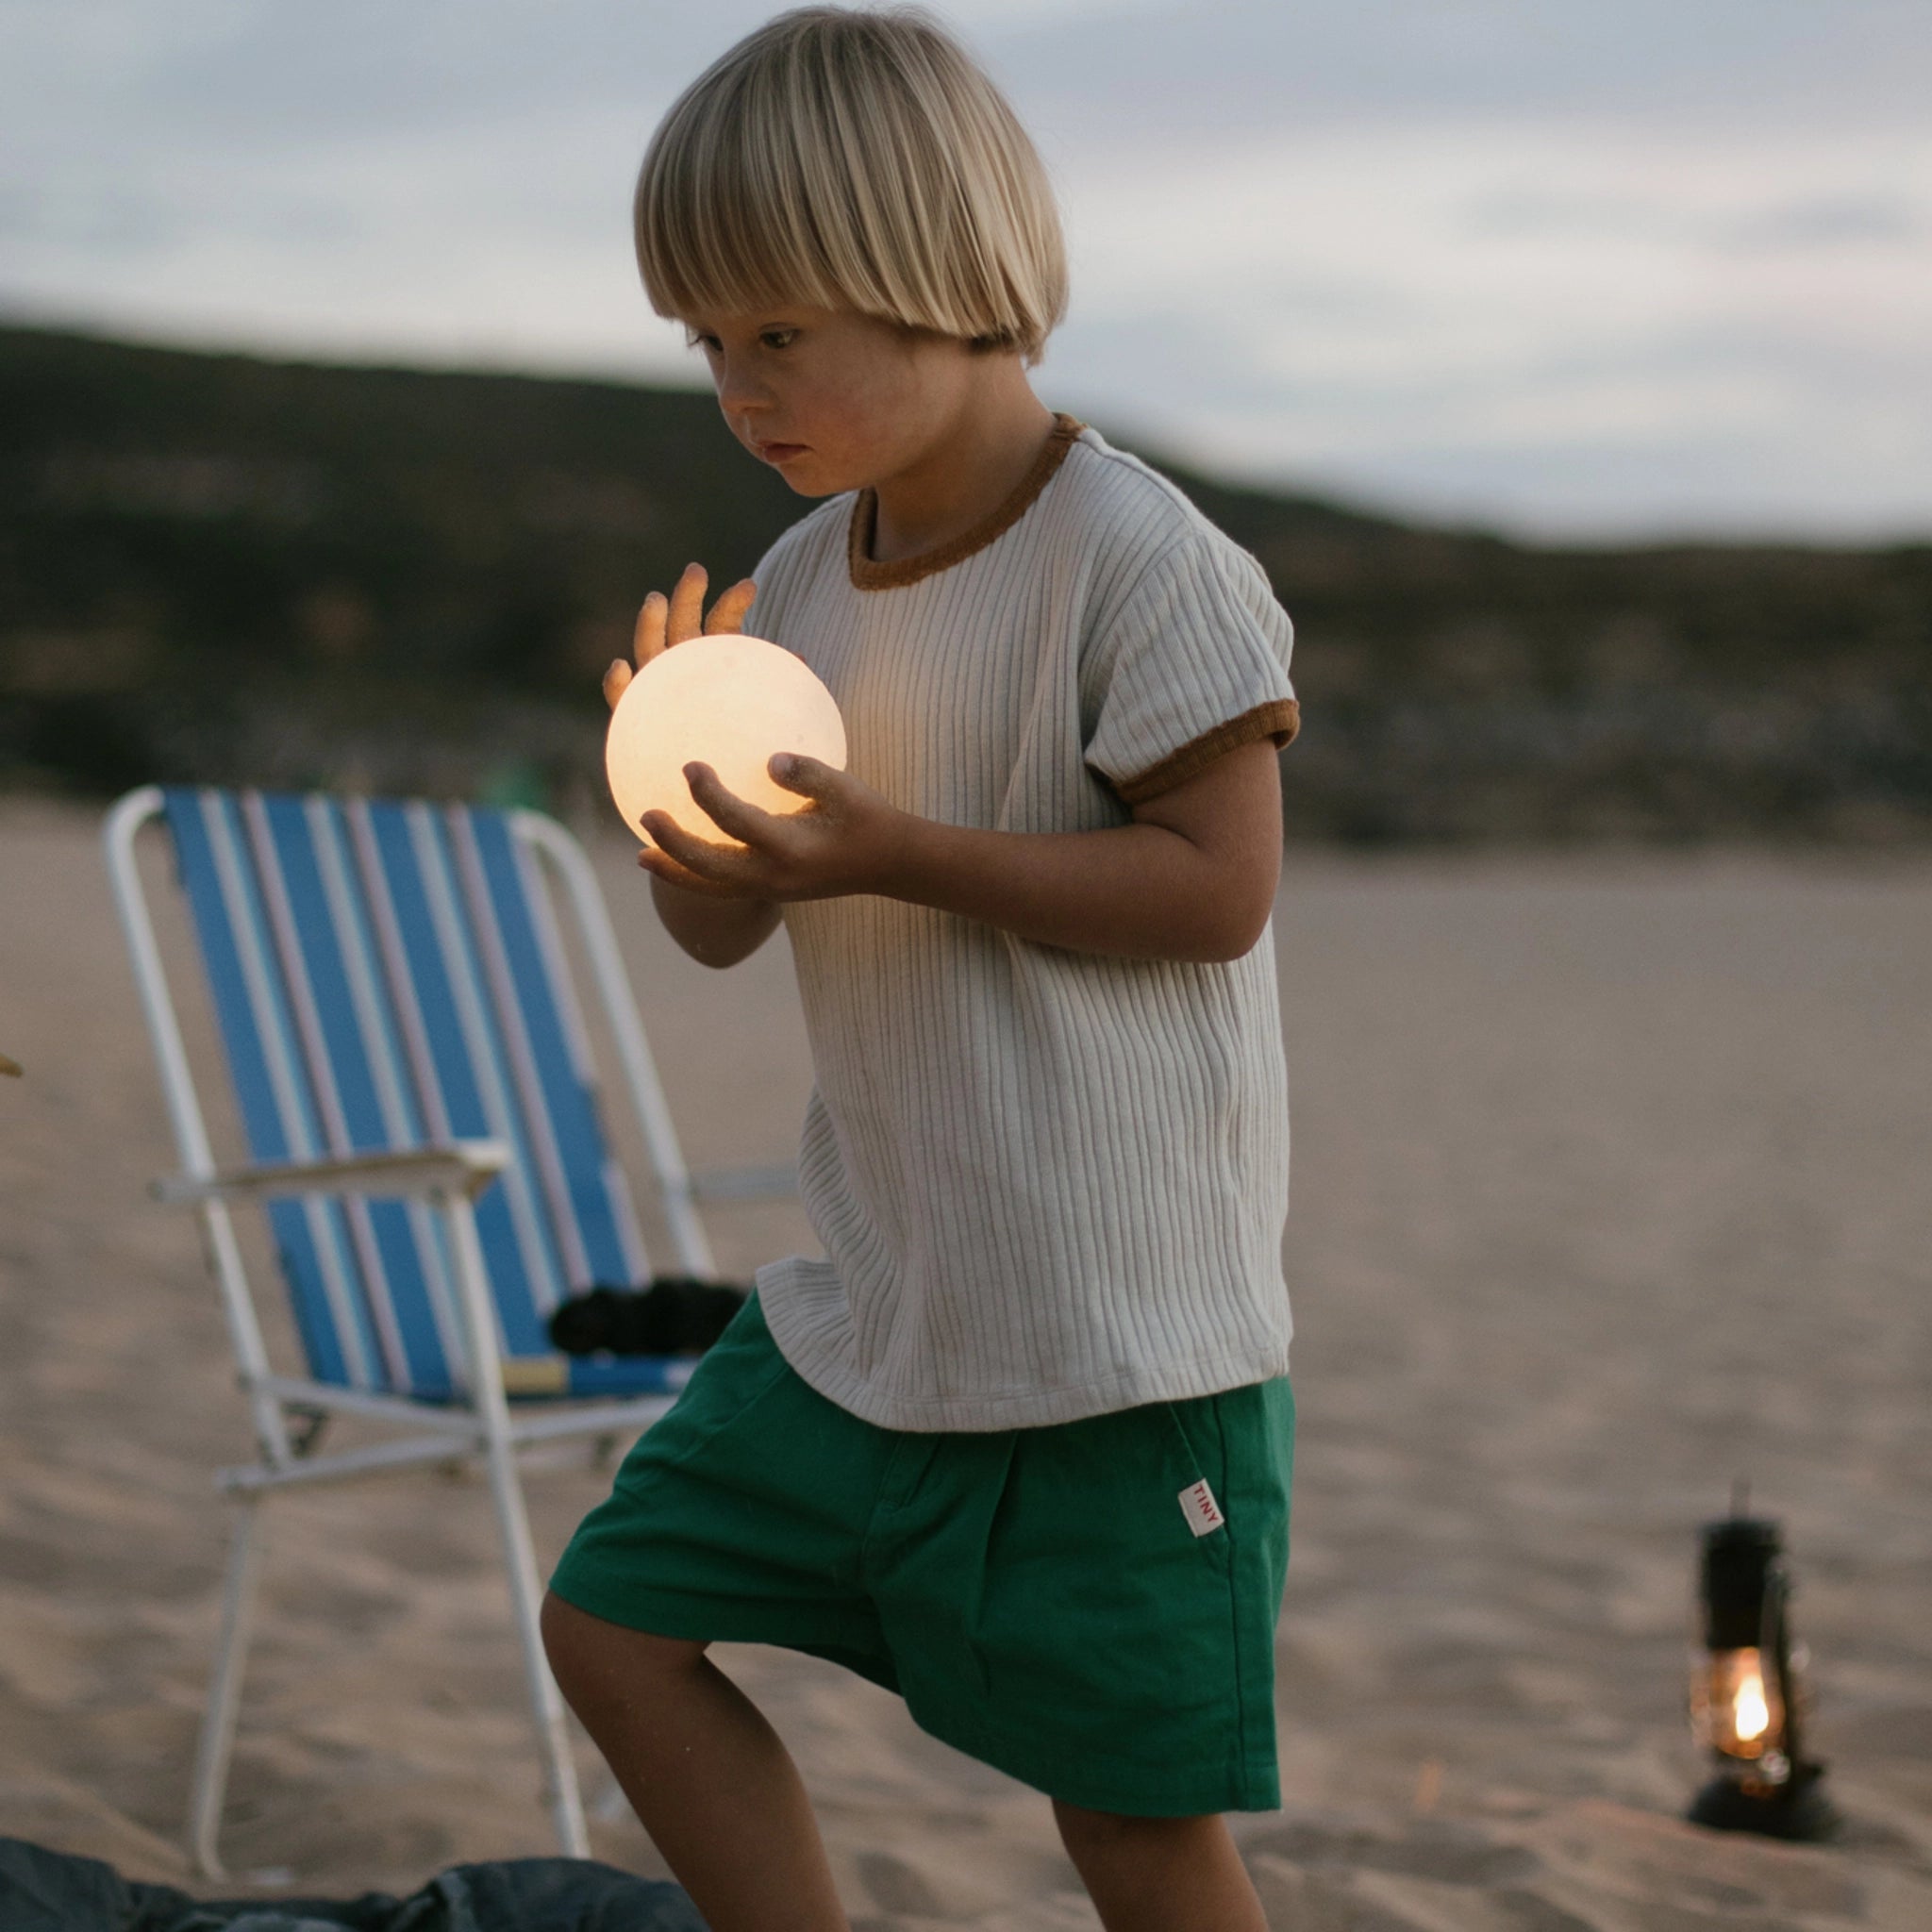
[1280, 719]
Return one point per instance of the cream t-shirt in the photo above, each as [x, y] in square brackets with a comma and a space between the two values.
[1048, 1183]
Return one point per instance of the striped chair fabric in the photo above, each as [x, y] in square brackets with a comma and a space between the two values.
[388, 975]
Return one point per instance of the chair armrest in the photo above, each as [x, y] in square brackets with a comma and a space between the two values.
[744, 1183]
[462, 1167]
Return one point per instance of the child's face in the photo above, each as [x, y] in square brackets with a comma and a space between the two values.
[834, 400]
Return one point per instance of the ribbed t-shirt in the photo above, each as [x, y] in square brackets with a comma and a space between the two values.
[1048, 1183]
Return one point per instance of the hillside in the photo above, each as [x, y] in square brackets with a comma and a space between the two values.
[228, 567]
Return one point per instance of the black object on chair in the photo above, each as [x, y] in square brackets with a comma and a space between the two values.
[673, 1314]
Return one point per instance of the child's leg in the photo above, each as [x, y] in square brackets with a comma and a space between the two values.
[1160, 1874]
[708, 1777]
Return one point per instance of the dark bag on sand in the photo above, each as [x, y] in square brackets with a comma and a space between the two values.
[675, 1314]
[54, 1891]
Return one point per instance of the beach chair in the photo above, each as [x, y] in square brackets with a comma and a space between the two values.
[413, 1076]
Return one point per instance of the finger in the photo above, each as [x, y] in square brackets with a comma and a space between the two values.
[686, 604]
[702, 856]
[647, 639]
[616, 681]
[727, 613]
[732, 815]
[810, 777]
[661, 865]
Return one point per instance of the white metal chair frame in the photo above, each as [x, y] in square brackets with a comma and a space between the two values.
[482, 1427]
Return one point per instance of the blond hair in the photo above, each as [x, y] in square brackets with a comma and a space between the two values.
[855, 160]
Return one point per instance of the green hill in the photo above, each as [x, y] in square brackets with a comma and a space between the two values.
[223, 567]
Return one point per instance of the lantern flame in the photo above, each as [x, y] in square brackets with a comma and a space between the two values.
[1750, 1713]
[1736, 1708]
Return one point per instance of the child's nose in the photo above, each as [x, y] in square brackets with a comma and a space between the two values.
[739, 390]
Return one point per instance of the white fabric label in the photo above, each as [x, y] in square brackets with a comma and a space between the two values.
[1199, 1507]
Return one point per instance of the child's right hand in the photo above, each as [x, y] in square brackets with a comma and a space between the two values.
[663, 623]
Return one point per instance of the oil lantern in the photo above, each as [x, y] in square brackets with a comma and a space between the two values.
[1748, 1703]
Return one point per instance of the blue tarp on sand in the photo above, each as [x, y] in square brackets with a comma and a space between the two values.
[52, 1892]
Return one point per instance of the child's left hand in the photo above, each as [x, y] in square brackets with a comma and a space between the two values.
[848, 839]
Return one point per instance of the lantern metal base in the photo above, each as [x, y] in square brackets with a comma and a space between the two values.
[1798, 1810]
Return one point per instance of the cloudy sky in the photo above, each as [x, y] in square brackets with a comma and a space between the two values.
[1568, 267]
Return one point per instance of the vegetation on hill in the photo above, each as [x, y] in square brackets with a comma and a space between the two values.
[224, 568]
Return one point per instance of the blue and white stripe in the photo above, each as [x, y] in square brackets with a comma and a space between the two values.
[387, 974]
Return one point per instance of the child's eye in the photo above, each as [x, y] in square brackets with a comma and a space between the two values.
[771, 338]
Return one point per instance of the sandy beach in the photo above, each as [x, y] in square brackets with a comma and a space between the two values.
[1608, 1187]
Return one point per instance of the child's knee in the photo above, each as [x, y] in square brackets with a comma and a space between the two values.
[561, 1625]
[581, 1648]
[585, 1650]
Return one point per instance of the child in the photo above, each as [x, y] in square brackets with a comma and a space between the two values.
[1018, 1447]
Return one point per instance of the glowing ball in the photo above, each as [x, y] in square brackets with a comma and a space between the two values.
[728, 702]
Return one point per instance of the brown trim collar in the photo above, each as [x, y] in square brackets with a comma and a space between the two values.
[868, 576]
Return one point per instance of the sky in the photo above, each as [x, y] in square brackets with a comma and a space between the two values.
[1563, 267]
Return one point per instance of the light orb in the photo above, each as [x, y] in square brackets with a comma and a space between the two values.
[728, 702]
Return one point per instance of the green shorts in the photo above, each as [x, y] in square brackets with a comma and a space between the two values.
[1040, 1597]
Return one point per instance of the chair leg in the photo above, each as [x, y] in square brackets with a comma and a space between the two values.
[224, 1692]
[520, 1559]
[547, 1704]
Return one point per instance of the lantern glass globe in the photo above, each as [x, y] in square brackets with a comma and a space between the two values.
[1735, 1704]
[728, 702]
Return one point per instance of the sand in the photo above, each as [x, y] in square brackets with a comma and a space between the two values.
[1609, 1186]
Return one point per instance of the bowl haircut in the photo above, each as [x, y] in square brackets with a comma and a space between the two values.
[839, 159]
